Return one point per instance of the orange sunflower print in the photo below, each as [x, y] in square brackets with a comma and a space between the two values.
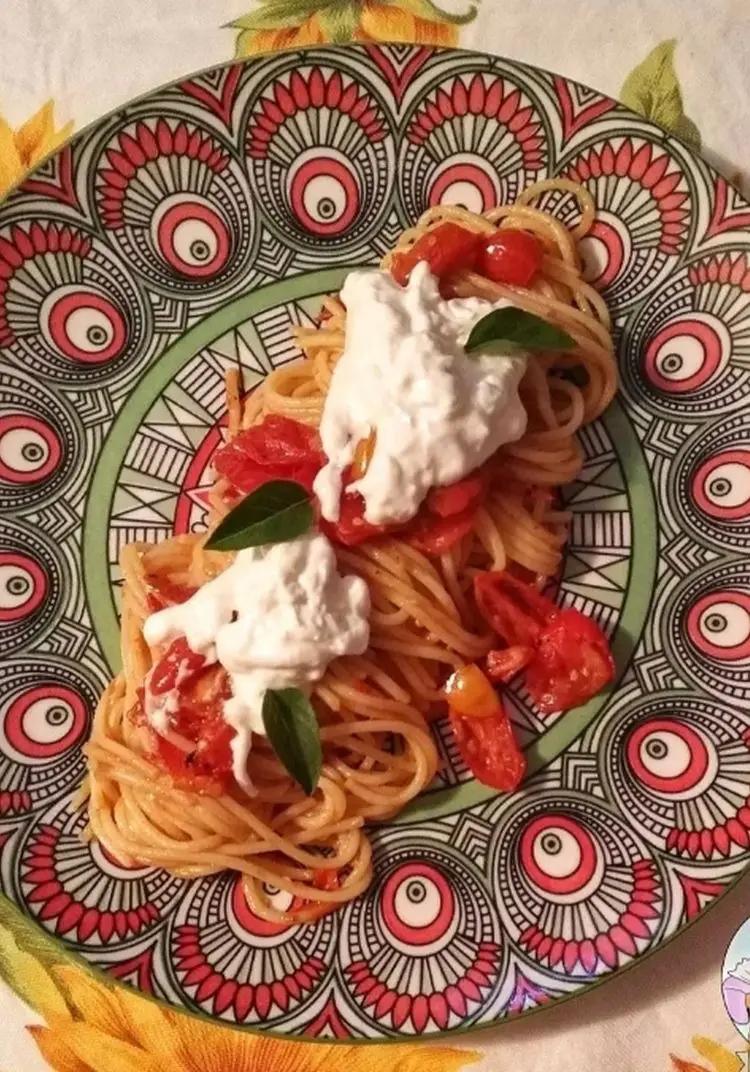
[22, 149]
[277, 24]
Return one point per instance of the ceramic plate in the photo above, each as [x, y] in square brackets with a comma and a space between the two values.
[187, 232]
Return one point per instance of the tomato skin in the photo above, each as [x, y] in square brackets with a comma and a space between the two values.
[570, 655]
[504, 663]
[163, 593]
[469, 692]
[326, 878]
[276, 449]
[351, 529]
[489, 749]
[433, 536]
[456, 498]
[179, 662]
[511, 256]
[447, 249]
[514, 609]
[572, 663]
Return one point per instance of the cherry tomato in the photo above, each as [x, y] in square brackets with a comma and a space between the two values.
[572, 662]
[276, 449]
[165, 593]
[447, 248]
[326, 878]
[351, 529]
[514, 609]
[510, 256]
[456, 498]
[571, 659]
[469, 692]
[503, 664]
[179, 663]
[208, 767]
[488, 748]
[434, 535]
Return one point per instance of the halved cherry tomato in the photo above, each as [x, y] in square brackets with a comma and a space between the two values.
[351, 529]
[571, 659]
[514, 609]
[503, 664]
[482, 729]
[276, 449]
[469, 692]
[434, 535]
[178, 664]
[447, 249]
[489, 749]
[197, 717]
[165, 593]
[326, 878]
[510, 256]
[571, 664]
[456, 498]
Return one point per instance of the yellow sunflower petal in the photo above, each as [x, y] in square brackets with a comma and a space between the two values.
[100, 1052]
[722, 1059]
[387, 23]
[148, 1024]
[54, 141]
[94, 1001]
[11, 164]
[26, 975]
[290, 1057]
[428, 32]
[56, 1051]
[37, 129]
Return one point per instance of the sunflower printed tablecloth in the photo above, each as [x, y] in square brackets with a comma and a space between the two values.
[682, 63]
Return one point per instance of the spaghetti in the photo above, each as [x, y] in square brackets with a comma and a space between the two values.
[425, 622]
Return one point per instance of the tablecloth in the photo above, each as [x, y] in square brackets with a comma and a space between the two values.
[683, 63]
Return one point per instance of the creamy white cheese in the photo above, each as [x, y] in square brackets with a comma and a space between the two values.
[274, 619]
[437, 413]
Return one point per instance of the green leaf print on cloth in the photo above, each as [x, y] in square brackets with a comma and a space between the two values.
[653, 90]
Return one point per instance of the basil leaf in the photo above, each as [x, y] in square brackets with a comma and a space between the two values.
[292, 729]
[505, 330]
[277, 511]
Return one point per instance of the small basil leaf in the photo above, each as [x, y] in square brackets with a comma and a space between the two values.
[292, 729]
[277, 511]
[508, 329]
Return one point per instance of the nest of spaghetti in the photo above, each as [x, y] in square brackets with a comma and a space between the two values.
[300, 856]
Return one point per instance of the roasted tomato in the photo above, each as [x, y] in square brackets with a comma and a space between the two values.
[447, 249]
[483, 731]
[276, 449]
[510, 256]
[571, 664]
[570, 656]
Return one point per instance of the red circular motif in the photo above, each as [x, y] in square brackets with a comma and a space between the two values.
[564, 836]
[324, 195]
[194, 239]
[86, 326]
[23, 585]
[29, 449]
[46, 721]
[721, 485]
[466, 184]
[684, 355]
[604, 253]
[667, 756]
[249, 921]
[417, 903]
[718, 624]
